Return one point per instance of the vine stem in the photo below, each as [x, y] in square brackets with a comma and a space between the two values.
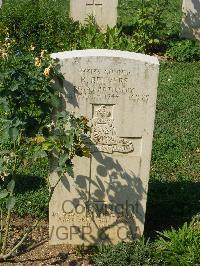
[7, 222]
[5, 256]
[6, 232]
[1, 227]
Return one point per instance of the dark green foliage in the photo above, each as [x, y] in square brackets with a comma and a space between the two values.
[136, 253]
[7, 200]
[33, 202]
[44, 24]
[171, 14]
[147, 23]
[32, 128]
[26, 93]
[180, 247]
[28, 131]
[184, 51]
[144, 26]
[171, 248]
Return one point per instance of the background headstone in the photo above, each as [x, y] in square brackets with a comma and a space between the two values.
[191, 19]
[104, 11]
[106, 199]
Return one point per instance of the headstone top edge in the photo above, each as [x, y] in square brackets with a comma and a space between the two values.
[105, 53]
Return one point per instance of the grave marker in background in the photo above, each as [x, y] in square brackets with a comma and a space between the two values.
[104, 11]
[191, 19]
[106, 200]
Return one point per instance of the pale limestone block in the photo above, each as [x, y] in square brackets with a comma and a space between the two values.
[106, 200]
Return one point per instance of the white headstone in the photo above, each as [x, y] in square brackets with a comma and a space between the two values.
[106, 200]
[104, 11]
[191, 19]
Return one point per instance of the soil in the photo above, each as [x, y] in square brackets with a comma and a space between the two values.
[36, 250]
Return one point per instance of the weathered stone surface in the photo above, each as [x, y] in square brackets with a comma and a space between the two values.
[106, 200]
[191, 19]
[104, 11]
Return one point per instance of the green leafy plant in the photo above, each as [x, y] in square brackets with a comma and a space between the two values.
[180, 247]
[49, 27]
[136, 253]
[7, 198]
[147, 24]
[89, 36]
[184, 51]
[32, 127]
[44, 24]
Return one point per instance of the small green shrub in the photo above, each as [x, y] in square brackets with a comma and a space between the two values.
[34, 203]
[33, 126]
[146, 23]
[136, 253]
[171, 14]
[113, 38]
[184, 51]
[182, 246]
[171, 248]
[43, 24]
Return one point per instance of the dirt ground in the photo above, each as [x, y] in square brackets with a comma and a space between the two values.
[36, 250]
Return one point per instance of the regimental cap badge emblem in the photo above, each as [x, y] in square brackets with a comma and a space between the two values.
[104, 137]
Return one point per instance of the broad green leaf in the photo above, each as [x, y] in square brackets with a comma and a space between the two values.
[62, 115]
[62, 160]
[3, 193]
[68, 141]
[47, 146]
[4, 104]
[14, 88]
[11, 186]
[39, 153]
[69, 169]
[10, 203]
[1, 164]
[43, 154]
[18, 122]
[4, 135]
[55, 101]
[13, 133]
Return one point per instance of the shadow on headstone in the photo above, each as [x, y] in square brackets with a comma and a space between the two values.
[105, 201]
[191, 20]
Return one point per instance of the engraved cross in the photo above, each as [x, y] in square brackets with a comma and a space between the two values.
[94, 4]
